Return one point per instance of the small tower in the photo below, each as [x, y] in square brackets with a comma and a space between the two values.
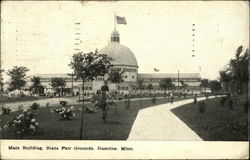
[115, 37]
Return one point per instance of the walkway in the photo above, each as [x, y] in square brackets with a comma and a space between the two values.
[159, 123]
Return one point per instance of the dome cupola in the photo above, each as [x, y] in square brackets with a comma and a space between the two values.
[115, 36]
[120, 54]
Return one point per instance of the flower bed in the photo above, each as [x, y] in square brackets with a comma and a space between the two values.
[24, 123]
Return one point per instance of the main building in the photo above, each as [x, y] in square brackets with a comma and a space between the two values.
[123, 59]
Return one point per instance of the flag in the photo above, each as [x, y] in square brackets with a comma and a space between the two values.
[120, 20]
[156, 70]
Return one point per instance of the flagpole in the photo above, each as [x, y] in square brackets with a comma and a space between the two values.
[114, 21]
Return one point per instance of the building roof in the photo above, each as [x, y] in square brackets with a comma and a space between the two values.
[120, 54]
[59, 75]
[168, 75]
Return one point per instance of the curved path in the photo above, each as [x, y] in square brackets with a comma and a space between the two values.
[159, 123]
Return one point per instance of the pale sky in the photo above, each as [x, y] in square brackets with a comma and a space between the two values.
[40, 35]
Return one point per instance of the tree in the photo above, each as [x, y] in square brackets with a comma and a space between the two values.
[215, 86]
[225, 79]
[150, 86]
[204, 84]
[72, 82]
[166, 83]
[115, 77]
[184, 85]
[140, 86]
[58, 84]
[36, 84]
[87, 67]
[17, 77]
[1, 80]
[235, 75]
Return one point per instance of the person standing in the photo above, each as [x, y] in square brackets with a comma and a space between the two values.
[104, 91]
[171, 97]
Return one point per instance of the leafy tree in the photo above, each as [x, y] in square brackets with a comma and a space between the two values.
[87, 67]
[184, 85]
[225, 78]
[215, 86]
[36, 84]
[57, 83]
[72, 82]
[150, 87]
[235, 75]
[204, 84]
[17, 77]
[1, 80]
[166, 83]
[140, 86]
[115, 76]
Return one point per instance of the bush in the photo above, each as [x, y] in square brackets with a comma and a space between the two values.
[154, 100]
[246, 107]
[20, 108]
[202, 107]
[35, 106]
[230, 103]
[47, 105]
[24, 123]
[223, 101]
[195, 100]
[63, 103]
[127, 102]
[5, 110]
[65, 113]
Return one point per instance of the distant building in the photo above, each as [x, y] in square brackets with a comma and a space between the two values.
[123, 59]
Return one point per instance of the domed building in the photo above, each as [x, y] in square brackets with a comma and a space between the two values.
[123, 60]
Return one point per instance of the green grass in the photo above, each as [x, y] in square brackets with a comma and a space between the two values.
[217, 123]
[19, 99]
[117, 127]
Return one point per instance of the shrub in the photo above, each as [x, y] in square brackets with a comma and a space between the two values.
[20, 108]
[24, 123]
[202, 107]
[35, 106]
[230, 103]
[154, 100]
[65, 113]
[63, 103]
[195, 100]
[127, 103]
[223, 101]
[246, 107]
[5, 110]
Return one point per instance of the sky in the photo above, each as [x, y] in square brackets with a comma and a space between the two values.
[41, 35]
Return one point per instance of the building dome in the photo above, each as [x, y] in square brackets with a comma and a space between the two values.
[120, 54]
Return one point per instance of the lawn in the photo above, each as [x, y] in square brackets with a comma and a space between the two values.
[117, 127]
[6, 99]
[216, 123]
